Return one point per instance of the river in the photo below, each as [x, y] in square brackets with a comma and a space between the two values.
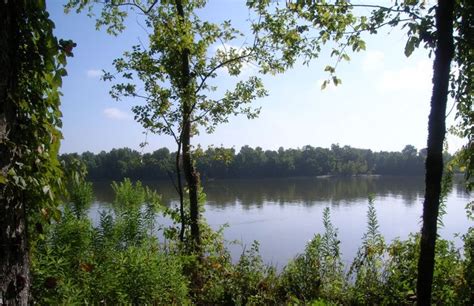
[284, 214]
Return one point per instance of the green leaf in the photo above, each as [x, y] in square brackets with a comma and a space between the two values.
[57, 80]
[56, 215]
[324, 84]
[329, 69]
[412, 42]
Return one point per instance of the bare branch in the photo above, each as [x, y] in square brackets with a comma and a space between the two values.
[170, 128]
[202, 115]
[374, 6]
[220, 65]
[133, 4]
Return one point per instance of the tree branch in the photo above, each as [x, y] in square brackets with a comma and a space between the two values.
[374, 6]
[220, 65]
[203, 114]
[133, 4]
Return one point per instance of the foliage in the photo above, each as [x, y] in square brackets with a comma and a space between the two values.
[462, 89]
[155, 67]
[468, 266]
[121, 260]
[32, 65]
[300, 28]
[173, 73]
[35, 175]
[367, 267]
[449, 283]
[318, 272]
[252, 281]
[81, 194]
[118, 262]
[220, 162]
[130, 195]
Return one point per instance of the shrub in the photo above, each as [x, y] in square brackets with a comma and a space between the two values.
[318, 272]
[368, 266]
[118, 262]
[401, 272]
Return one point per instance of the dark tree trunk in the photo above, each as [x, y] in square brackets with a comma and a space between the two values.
[434, 159]
[180, 192]
[189, 170]
[14, 261]
[192, 179]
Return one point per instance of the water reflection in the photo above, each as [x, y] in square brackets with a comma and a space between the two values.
[254, 193]
[283, 214]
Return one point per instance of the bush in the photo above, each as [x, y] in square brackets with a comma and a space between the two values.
[318, 272]
[368, 266]
[252, 282]
[118, 262]
[401, 272]
[468, 267]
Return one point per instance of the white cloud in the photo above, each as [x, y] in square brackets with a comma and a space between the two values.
[116, 114]
[373, 60]
[413, 77]
[94, 73]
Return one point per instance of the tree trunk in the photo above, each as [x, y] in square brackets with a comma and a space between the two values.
[180, 192]
[192, 179]
[189, 170]
[434, 159]
[14, 261]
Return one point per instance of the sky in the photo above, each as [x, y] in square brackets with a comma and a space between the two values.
[382, 103]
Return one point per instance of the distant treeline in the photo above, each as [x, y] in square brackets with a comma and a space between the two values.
[219, 162]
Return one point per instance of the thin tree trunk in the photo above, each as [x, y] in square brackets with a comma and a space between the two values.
[192, 178]
[190, 173]
[180, 192]
[14, 261]
[434, 159]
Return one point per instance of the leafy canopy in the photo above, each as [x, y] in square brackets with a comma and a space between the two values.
[152, 72]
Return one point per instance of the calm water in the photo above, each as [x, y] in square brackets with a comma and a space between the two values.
[283, 214]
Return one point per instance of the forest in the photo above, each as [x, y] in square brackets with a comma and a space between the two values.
[220, 162]
[140, 250]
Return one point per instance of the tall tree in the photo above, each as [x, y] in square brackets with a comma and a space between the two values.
[31, 68]
[434, 160]
[176, 68]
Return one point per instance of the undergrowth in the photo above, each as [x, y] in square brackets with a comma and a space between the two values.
[119, 259]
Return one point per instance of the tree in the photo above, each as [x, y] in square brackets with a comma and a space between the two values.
[32, 64]
[463, 79]
[409, 151]
[292, 29]
[176, 73]
[220, 162]
[434, 160]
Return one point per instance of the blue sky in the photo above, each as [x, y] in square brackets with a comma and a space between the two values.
[382, 104]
